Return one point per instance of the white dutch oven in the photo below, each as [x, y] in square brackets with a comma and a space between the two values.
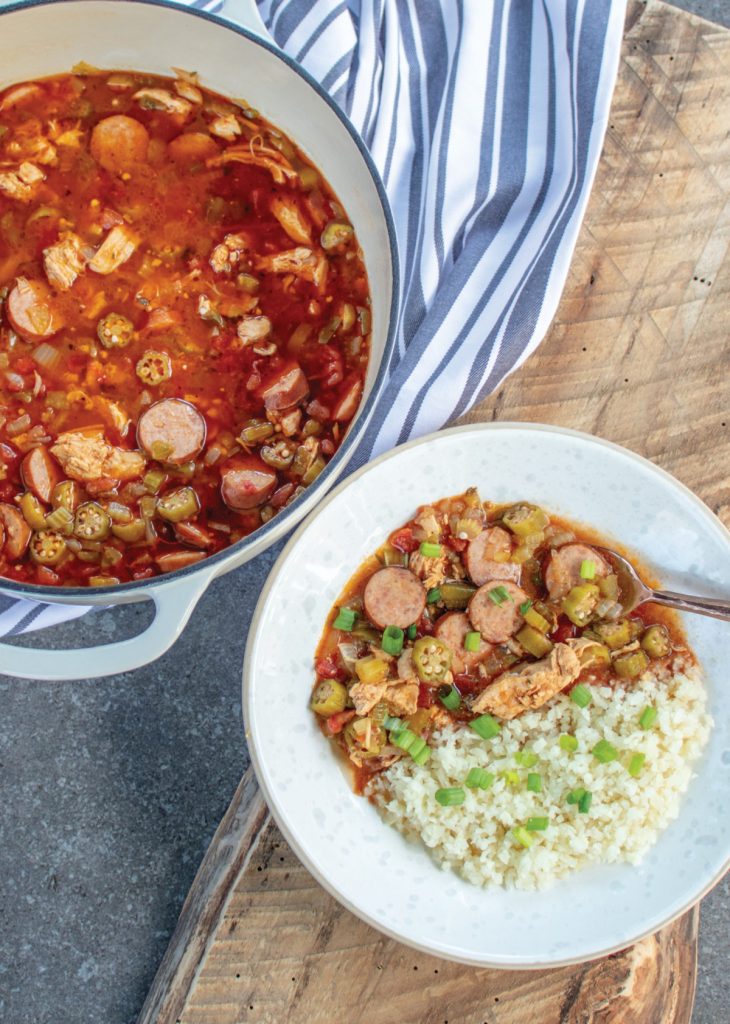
[40, 39]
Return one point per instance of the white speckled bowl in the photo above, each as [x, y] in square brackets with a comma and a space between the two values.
[370, 868]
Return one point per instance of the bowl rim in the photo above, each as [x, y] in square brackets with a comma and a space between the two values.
[713, 523]
[268, 533]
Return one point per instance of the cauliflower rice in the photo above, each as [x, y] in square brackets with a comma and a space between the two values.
[626, 815]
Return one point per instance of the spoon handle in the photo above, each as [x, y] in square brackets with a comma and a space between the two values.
[717, 608]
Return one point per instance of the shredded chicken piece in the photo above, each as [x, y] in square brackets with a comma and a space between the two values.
[366, 695]
[225, 126]
[405, 664]
[292, 219]
[228, 253]
[431, 570]
[116, 249]
[87, 455]
[34, 147]
[301, 262]
[402, 698]
[162, 99]
[113, 412]
[531, 686]
[64, 260]
[253, 328]
[259, 156]
[188, 91]
[21, 184]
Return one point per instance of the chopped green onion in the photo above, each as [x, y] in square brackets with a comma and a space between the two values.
[584, 804]
[417, 748]
[526, 758]
[522, 836]
[479, 778]
[429, 550]
[568, 743]
[537, 824]
[525, 606]
[450, 698]
[345, 620]
[433, 595]
[635, 764]
[587, 569]
[486, 727]
[422, 756]
[404, 739]
[392, 723]
[604, 752]
[581, 695]
[534, 782]
[511, 777]
[412, 632]
[576, 795]
[450, 797]
[647, 717]
[499, 595]
[392, 642]
[472, 642]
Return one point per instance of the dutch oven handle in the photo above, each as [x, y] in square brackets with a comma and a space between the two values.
[174, 603]
[246, 14]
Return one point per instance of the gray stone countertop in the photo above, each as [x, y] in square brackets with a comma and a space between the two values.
[112, 789]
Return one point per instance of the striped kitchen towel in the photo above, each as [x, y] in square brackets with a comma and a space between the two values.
[486, 120]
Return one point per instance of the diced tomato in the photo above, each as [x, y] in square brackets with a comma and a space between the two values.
[8, 490]
[327, 668]
[565, 630]
[24, 364]
[425, 696]
[468, 684]
[336, 723]
[47, 576]
[457, 543]
[403, 540]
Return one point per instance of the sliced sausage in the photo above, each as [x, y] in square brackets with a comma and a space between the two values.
[30, 310]
[451, 629]
[119, 142]
[246, 482]
[175, 423]
[346, 407]
[17, 531]
[289, 388]
[481, 555]
[394, 597]
[495, 616]
[192, 147]
[40, 473]
[196, 536]
[173, 560]
[563, 571]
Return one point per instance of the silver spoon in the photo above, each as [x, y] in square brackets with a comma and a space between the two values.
[634, 592]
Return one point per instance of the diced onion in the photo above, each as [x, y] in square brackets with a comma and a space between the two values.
[18, 426]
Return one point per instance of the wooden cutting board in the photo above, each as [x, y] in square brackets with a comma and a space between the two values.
[638, 353]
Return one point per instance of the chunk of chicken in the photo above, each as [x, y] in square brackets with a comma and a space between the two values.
[366, 695]
[253, 328]
[432, 571]
[402, 698]
[302, 262]
[260, 156]
[188, 91]
[116, 249]
[533, 685]
[228, 253]
[292, 219]
[21, 184]
[225, 126]
[64, 260]
[87, 455]
[33, 146]
[162, 99]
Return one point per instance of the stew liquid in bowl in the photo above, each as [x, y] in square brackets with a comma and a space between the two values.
[184, 325]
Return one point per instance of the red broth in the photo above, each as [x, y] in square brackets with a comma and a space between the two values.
[184, 325]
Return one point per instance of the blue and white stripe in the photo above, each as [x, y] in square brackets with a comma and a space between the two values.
[486, 120]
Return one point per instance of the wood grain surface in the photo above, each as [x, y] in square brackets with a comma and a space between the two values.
[638, 353]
